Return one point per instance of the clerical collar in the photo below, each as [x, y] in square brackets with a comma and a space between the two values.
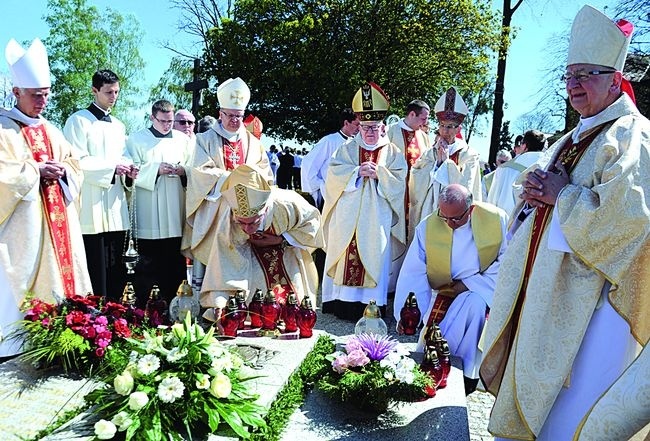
[157, 134]
[99, 113]
[403, 125]
[17, 115]
[230, 136]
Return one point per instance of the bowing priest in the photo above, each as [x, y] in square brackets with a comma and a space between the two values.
[571, 307]
[449, 161]
[364, 212]
[452, 266]
[41, 246]
[219, 150]
[266, 243]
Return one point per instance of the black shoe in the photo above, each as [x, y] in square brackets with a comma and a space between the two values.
[470, 385]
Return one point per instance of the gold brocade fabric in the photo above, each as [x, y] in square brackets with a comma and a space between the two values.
[603, 217]
[235, 265]
[374, 212]
[207, 174]
[27, 255]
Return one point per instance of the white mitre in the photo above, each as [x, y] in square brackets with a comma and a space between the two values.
[596, 39]
[233, 94]
[29, 68]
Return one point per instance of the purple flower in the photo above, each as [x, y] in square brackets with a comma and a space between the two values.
[375, 346]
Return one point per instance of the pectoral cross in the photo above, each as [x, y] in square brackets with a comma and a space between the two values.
[233, 156]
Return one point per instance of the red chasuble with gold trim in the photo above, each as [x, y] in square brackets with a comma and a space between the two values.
[233, 154]
[54, 206]
[354, 272]
[271, 259]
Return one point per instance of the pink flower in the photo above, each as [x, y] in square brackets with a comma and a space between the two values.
[340, 363]
[357, 358]
[100, 352]
[101, 320]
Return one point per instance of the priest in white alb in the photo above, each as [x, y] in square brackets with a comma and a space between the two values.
[452, 266]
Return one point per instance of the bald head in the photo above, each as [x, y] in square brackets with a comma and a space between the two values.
[455, 194]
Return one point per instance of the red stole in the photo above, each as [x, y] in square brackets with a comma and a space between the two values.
[54, 207]
[455, 156]
[233, 153]
[570, 155]
[354, 272]
[271, 259]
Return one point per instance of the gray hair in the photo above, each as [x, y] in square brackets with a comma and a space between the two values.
[456, 193]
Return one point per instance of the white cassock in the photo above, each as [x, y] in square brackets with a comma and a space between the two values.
[314, 165]
[464, 321]
[466, 173]
[502, 191]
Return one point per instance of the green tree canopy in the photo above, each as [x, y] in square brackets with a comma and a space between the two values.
[304, 60]
[82, 40]
[171, 86]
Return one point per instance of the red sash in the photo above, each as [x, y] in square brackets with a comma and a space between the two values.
[233, 154]
[570, 155]
[412, 152]
[272, 263]
[54, 207]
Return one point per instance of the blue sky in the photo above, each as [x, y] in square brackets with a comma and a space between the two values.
[537, 21]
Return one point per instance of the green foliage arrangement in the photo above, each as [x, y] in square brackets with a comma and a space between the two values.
[181, 384]
[373, 372]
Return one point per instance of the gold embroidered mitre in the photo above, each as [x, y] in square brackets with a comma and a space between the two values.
[246, 191]
[370, 102]
[451, 107]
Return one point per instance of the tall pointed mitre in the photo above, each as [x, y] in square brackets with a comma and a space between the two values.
[29, 68]
[233, 94]
[451, 107]
[246, 191]
[596, 39]
[254, 125]
[370, 103]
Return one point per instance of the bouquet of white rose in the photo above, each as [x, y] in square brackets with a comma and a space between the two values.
[177, 384]
[371, 372]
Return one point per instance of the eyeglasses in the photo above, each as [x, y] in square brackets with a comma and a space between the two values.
[583, 76]
[370, 129]
[448, 126]
[453, 218]
[185, 122]
[232, 116]
[164, 121]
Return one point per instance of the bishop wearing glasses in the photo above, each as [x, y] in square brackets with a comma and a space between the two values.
[449, 161]
[363, 216]
[452, 266]
[219, 151]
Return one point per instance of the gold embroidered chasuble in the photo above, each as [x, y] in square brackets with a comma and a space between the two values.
[603, 217]
[209, 170]
[27, 255]
[424, 188]
[233, 264]
[373, 213]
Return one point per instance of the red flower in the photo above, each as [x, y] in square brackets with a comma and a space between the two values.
[114, 309]
[100, 352]
[121, 328]
[77, 319]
